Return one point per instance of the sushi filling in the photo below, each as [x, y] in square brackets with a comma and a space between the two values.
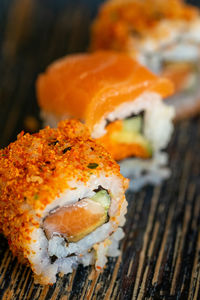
[129, 135]
[132, 133]
[184, 75]
[72, 223]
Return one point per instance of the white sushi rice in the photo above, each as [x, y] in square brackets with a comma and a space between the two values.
[158, 128]
[143, 172]
[93, 248]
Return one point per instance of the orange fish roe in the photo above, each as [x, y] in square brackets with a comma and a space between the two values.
[118, 149]
[117, 21]
[36, 169]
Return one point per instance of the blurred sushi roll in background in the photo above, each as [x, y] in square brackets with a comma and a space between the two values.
[62, 200]
[162, 35]
[121, 103]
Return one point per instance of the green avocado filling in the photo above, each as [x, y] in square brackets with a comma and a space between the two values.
[102, 198]
[132, 133]
[133, 124]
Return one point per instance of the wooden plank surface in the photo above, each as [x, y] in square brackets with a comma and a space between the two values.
[161, 250]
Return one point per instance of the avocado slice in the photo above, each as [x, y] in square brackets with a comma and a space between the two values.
[102, 198]
[133, 124]
[132, 133]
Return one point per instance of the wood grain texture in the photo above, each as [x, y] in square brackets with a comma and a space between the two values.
[160, 256]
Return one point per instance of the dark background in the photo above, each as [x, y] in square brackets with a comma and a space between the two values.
[161, 250]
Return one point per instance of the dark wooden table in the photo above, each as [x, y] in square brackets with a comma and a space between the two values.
[161, 251]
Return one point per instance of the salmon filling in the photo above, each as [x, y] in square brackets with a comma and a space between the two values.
[124, 138]
[76, 221]
[183, 74]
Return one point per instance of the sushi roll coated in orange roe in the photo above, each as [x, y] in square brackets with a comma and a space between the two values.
[121, 24]
[62, 200]
[119, 100]
[161, 34]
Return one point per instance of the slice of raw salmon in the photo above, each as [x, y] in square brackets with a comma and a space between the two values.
[88, 86]
[75, 221]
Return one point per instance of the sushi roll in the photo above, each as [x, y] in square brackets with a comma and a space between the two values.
[162, 35]
[62, 200]
[121, 103]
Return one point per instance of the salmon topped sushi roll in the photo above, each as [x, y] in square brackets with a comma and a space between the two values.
[119, 100]
[164, 35]
[62, 200]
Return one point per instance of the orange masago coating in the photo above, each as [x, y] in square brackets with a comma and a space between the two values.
[89, 86]
[37, 168]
